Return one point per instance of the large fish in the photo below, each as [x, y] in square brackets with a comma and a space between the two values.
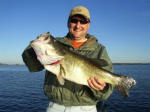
[73, 67]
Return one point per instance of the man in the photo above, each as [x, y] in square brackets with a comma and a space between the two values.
[73, 97]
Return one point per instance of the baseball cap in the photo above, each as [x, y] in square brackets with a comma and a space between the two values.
[80, 10]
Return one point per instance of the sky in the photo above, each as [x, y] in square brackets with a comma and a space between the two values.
[122, 26]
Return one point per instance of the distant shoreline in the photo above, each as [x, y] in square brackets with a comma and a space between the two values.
[11, 64]
[113, 64]
[131, 63]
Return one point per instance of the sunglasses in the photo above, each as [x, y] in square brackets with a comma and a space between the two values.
[81, 21]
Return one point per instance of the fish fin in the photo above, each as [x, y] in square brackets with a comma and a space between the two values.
[60, 76]
[124, 85]
[94, 61]
[60, 79]
[99, 62]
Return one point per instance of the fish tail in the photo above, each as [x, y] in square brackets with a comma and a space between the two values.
[124, 85]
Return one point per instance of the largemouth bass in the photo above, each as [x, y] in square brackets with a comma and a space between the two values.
[68, 65]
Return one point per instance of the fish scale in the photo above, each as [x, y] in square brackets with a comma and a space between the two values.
[68, 65]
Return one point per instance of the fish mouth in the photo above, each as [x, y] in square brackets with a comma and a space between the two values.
[37, 51]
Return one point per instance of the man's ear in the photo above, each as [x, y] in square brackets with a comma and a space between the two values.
[68, 23]
[88, 25]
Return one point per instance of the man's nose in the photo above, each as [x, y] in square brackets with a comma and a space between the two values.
[78, 24]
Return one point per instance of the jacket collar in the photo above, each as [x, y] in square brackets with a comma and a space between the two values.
[90, 44]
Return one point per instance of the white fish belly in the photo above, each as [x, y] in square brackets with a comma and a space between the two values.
[76, 75]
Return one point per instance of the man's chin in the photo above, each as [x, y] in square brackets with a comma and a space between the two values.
[78, 35]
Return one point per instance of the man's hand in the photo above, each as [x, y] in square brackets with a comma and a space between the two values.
[96, 83]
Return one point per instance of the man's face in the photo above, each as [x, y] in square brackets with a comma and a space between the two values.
[78, 27]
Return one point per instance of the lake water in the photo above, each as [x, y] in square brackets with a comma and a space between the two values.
[22, 91]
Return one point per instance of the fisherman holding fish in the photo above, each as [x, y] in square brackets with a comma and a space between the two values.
[75, 60]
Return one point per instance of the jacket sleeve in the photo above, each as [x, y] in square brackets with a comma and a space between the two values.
[104, 94]
[30, 60]
[104, 55]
